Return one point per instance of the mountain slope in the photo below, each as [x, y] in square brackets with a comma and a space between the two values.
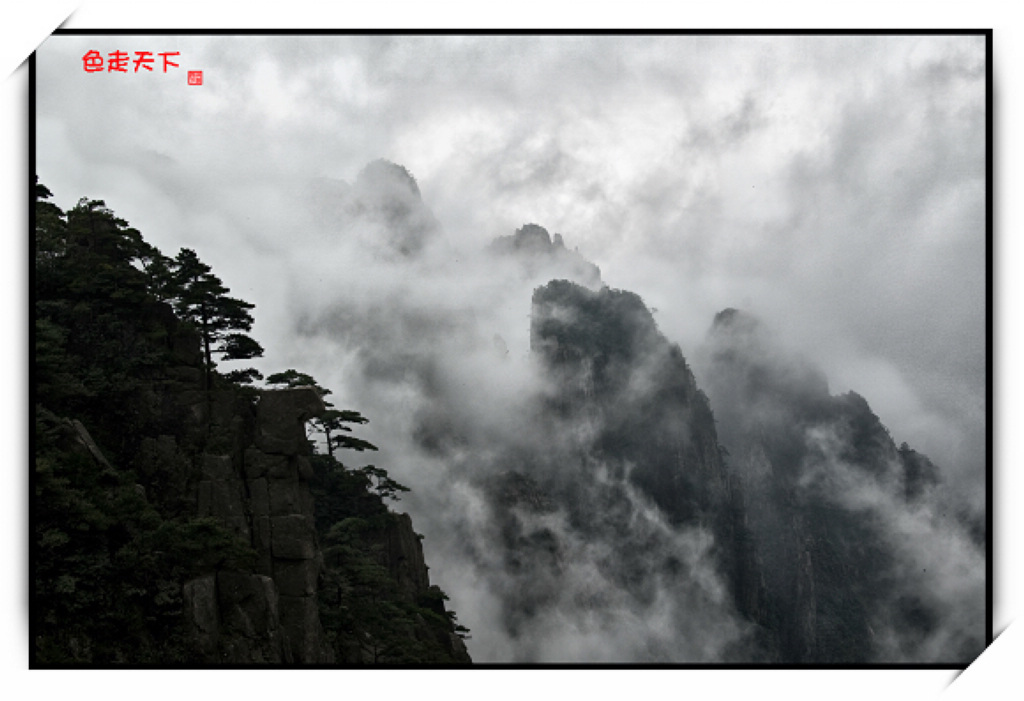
[827, 497]
[180, 518]
[590, 507]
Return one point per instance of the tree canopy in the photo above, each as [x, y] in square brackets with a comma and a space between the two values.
[122, 335]
[334, 422]
[201, 298]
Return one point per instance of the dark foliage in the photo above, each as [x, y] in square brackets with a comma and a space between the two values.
[369, 618]
[333, 423]
[120, 333]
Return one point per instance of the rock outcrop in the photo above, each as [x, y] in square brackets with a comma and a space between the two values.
[174, 516]
[545, 257]
[256, 485]
[384, 204]
[621, 504]
[239, 459]
[821, 484]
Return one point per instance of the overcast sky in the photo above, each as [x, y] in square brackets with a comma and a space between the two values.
[896, 13]
[834, 186]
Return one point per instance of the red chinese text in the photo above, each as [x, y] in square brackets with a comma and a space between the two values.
[92, 61]
[144, 59]
[167, 59]
[117, 61]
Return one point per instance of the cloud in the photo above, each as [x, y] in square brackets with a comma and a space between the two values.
[894, 554]
[934, 608]
[832, 185]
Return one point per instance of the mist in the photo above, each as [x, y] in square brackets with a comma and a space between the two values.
[831, 186]
[820, 474]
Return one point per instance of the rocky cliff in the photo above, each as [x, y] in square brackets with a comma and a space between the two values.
[767, 531]
[602, 510]
[234, 464]
[618, 513]
[259, 490]
[824, 493]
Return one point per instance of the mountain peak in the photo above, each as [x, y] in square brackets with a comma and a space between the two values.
[386, 201]
[382, 174]
[540, 253]
[531, 235]
[735, 320]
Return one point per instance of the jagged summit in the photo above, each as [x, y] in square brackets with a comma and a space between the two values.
[737, 322]
[740, 339]
[385, 207]
[730, 316]
[532, 235]
[818, 569]
[382, 174]
[542, 254]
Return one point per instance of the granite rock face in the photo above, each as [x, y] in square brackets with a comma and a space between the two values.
[172, 509]
[621, 505]
[820, 483]
[236, 464]
[402, 554]
[251, 472]
[259, 492]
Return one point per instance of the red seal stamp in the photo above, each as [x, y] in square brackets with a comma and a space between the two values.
[195, 77]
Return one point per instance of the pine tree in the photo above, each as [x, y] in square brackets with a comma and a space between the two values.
[333, 423]
[92, 311]
[202, 299]
[109, 561]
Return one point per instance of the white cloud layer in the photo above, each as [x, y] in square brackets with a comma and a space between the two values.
[834, 186]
